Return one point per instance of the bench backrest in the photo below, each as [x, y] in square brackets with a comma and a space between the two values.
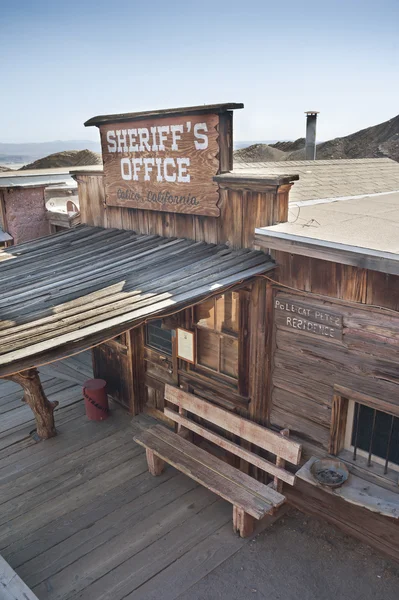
[284, 448]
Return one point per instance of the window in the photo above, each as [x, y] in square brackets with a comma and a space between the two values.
[364, 435]
[373, 434]
[217, 326]
[158, 338]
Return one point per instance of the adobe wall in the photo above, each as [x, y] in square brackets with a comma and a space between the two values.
[26, 213]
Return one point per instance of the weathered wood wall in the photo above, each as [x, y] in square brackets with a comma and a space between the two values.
[241, 211]
[305, 368]
[92, 199]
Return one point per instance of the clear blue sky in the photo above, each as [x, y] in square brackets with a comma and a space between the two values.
[63, 62]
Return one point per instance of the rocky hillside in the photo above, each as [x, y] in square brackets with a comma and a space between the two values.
[258, 153]
[378, 141]
[69, 158]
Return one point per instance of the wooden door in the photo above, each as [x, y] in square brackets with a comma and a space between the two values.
[112, 361]
[160, 366]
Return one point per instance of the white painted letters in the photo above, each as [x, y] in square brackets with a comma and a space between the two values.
[175, 129]
[136, 162]
[201, 136]
[147, 168]
[133, 147]
[166, 162]
[121, 135]
[111, 141]
[126, 169]
[182, 164]
[162, 131]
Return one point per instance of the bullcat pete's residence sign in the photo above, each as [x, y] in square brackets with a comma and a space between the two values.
[166, 160]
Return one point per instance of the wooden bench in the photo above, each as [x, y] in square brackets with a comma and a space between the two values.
[251, 499]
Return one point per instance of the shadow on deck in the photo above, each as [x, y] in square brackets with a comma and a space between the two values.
[80, 515]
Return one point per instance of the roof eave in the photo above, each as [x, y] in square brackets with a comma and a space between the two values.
[363, 258]
[168, 112]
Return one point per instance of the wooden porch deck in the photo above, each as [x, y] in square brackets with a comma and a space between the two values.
[80, 515]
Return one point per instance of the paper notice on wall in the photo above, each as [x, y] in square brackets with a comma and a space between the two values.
[186, 345]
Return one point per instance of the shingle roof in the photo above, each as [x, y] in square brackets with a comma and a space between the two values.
[78, 287]
[321, 179]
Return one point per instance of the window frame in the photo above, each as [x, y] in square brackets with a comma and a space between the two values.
[154, 348]
[239, 383]
[343, 404]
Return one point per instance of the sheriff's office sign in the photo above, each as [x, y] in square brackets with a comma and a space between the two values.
[164, 164]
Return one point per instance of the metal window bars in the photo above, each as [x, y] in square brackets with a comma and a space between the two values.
[388, 433]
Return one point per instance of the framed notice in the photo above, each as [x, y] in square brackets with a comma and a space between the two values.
[186, 345]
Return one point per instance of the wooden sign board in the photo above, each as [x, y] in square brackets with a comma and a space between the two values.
[186, 345]
[310, 319]
[163, 164]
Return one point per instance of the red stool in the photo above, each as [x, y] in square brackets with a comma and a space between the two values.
[96, 399]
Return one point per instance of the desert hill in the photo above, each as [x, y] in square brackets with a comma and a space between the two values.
[24, 152]
[379, 141]
[68, 158]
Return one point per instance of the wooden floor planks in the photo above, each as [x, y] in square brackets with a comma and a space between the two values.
[81, 517]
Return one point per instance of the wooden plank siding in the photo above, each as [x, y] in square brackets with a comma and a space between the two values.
[242, 209]
[306, 367]
[307, 371]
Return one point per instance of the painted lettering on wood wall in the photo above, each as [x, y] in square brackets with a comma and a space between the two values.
[165, 164]
[311, 319]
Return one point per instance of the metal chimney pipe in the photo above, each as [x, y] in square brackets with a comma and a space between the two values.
[310, 145]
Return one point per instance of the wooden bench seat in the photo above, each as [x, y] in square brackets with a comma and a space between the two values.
[231, 484]
[250, 499]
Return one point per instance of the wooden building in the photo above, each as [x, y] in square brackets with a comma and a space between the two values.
[180, 277]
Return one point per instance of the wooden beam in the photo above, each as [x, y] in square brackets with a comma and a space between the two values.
[375, 403]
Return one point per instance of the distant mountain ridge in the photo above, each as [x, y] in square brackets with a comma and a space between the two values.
[378, 141]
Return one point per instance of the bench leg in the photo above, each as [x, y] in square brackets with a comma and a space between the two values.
[155, 464]
[243, 523]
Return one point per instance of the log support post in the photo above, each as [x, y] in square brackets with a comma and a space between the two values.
[34, 396]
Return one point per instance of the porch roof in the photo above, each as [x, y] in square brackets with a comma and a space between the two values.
[66, 292]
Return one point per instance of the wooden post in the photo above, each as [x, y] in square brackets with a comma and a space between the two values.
[35, 397]
[155, 464]
[243, 523]
[280, 462]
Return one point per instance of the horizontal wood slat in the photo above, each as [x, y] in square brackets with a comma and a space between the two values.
[247, 430]
[250, 457]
